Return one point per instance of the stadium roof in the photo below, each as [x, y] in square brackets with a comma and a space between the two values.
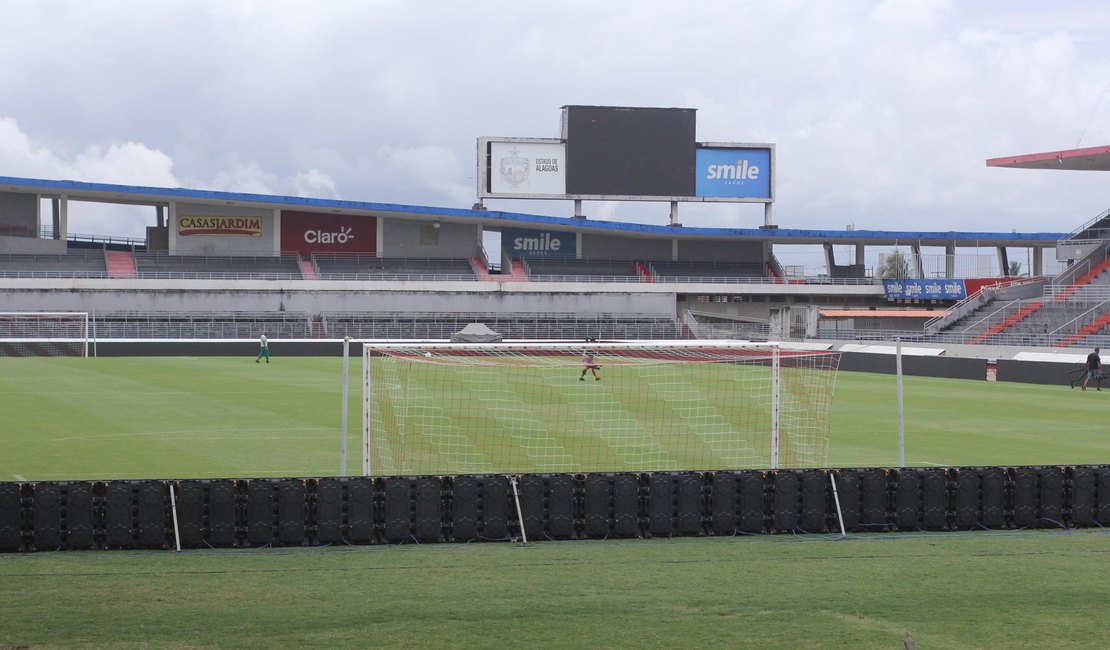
[1088, 159]
[153, 196]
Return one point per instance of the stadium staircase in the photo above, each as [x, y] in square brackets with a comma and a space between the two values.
[120, 264]
[1087, 330]
[518, 274]
[307, 269]
[480, 269]
[1083, 280]
[1010, 321]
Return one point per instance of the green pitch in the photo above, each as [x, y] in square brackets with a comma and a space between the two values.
[114, 418]
[228, 417]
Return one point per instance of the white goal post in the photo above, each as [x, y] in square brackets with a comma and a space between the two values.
[44, 333]
[452, 408]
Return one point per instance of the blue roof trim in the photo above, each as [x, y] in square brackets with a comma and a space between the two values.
[516, 218]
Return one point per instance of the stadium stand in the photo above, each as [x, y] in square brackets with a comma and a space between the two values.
[368, 267]
[432, 325]
[571, 270]
[73, 264]
[705, 271]
[201, 325]
[241, 267]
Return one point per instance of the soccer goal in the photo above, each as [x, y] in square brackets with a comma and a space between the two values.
[43, 333]
[594, 407]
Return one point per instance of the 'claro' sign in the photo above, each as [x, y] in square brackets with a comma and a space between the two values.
[314, 232]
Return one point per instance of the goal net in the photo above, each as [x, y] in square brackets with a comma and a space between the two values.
[594, 407]
[44, 334]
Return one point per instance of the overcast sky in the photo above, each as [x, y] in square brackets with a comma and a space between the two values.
[883, 113]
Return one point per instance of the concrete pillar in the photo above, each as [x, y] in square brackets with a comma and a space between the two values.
[830, 259]
[1003, 262]
[1038, 261]
[950, 260]
[61, 231]
[915, 254]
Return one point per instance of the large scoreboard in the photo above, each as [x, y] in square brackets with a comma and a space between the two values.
[622, 153]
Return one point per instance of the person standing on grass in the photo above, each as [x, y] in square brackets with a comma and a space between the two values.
[1094, 370]
[590, 366]
[265, 349]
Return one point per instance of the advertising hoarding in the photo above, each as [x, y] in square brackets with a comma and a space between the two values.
[314, 232]
[734, 173]
[519, 243]
[939, 289]
[527, 168]
[219, 226]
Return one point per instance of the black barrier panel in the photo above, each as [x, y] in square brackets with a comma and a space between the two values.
[80, 512]
[691, 504]
[329, 511]
[626, 505]
[596, 506]
[530, 489]
[560, 507]
[934, 499]
[753, 502]
[47, 516]
[360, 511]
[815, 505]
[495, 507]
[1051, 496]
[848, 494]
[222, 519]
[189, 497]
[292, 497]
[994, 496]
[398, 509]
[1082, 497]
[119, 525]
[11, 517]
[722, 504]
[907, 500]
[1102, 508]
[661, 504]
[464, 508]
[874, 491]
[967, 495]
[786, 501]
[1025, 496]
[260, 511]
[151, 516]
[939, 366]
[429, 509]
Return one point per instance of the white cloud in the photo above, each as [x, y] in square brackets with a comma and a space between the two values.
[883, 112]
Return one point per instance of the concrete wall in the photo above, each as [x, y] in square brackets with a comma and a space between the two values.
[29, 245]
[19, 215]
[601, 247]
[401, 238]
[170, 296]
[265, 244]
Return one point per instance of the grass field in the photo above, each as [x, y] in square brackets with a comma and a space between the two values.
[184, 417]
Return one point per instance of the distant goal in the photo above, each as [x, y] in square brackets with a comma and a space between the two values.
[44, 333]
[529, 407]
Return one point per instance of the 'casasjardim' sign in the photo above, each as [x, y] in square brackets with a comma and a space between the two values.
[226, 226]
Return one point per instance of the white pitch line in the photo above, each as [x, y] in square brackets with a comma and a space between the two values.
[19, 477]
[935, 464]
